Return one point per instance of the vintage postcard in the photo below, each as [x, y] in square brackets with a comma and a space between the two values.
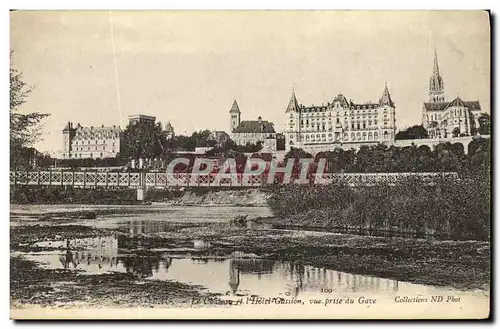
[250, 165]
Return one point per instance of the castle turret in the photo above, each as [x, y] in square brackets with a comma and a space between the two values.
[293, 105]
[386, 97]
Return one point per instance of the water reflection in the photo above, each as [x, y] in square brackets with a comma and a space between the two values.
[98, 251]
[138, 227]
[241, 274]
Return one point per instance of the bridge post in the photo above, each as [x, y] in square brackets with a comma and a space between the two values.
[142, 186]
[140, 194]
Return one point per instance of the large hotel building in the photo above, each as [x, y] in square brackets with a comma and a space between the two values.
[340, 122]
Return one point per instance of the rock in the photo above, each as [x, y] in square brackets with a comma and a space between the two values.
[240, 220]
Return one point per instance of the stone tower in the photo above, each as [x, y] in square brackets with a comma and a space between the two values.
[235, 116]
[68, 134]
[436, 85]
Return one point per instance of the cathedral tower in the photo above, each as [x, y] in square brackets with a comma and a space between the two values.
[436, 85]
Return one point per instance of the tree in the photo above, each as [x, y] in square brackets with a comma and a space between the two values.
[249, 147]
[484, 124]
[298, 153]
[414, 132]
[25, 128]
[203, 138]
[141, 140]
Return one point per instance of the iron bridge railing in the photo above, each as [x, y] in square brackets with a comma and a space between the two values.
[95, 179]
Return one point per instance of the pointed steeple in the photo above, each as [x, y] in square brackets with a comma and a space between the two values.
[436, 85]
[386, 97]
[293, 105]
[235, 108]
[435, 68]
[234, 116]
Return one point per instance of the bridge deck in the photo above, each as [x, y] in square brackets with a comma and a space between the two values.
[94, 179]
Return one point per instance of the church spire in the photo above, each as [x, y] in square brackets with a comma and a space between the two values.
[234, 116]
[436, 85]
[235, 108]
[293, 105]
[435, 68]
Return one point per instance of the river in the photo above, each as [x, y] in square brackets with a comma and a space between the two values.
[237, 274]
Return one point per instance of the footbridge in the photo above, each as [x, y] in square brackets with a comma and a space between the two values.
[142, 180]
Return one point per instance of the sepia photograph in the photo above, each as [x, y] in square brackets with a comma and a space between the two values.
[258, 164]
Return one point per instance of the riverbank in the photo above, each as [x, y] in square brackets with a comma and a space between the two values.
[32, 285]
[448, 208]
[40, 195]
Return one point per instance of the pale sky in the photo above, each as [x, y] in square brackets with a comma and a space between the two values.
[187, 67]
